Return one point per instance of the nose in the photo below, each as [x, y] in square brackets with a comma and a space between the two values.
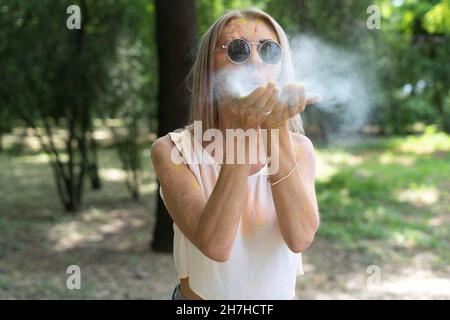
[254, 59]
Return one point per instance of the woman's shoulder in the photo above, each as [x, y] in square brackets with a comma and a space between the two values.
[304, 152]
[166, 140]
[162, 148]
[302, 141]
[159, 148]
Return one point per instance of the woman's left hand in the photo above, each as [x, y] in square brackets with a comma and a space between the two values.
[291, 102]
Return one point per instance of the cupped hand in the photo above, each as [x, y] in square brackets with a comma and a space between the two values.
[291, 102]
[265, 107]
[249, 111]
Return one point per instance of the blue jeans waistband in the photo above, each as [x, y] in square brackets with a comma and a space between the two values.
[176, 295]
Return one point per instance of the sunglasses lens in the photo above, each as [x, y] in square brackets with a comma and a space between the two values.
[238, 50]
[270, 52]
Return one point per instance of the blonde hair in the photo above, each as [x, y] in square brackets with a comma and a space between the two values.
[202, 106]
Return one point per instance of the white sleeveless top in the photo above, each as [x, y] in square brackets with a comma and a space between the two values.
[261, 265]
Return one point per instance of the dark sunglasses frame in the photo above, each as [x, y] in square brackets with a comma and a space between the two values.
[249, 43]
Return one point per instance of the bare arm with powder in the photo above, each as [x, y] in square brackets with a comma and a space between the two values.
[294, 197]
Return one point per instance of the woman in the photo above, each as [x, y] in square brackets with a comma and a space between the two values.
[240, 228]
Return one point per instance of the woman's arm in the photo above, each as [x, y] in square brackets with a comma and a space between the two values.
[210, 224]
[295, 197]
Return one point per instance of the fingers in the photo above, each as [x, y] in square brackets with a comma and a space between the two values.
[289, 94]
[278, 116]
[271, 103]
[294, 96]
[256, 94]
[301, 102]
[285, 106]
[261, 101]
[266, 99]
[290, 111]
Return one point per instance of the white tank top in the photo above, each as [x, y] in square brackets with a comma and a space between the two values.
[261, 265]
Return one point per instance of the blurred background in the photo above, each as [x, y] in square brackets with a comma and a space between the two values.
[80, 108]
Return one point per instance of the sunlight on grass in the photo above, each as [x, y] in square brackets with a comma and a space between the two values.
[113, 122]
[324, 170]
[418, 196]
[102, 134]
[409, 238]
[376, 213]
[68, 235]
[420, 283]
[387, 158]
[389, 191]
[439, 220]
[344, 158]
[329, 161]
[430, 142]
[38, 158]
[112, 174]
[149, 188]
[92, 226]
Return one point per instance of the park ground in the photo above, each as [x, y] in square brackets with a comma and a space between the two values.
[385, 227]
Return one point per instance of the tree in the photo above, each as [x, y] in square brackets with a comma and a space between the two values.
[51, 78]
[175, 35]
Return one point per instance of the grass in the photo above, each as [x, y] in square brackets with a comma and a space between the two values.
[390, 194]
[109, 238]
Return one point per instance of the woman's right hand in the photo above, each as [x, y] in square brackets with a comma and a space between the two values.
[249, 112]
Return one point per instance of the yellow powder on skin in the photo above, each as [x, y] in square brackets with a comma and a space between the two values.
[242, 24]
[252, 219]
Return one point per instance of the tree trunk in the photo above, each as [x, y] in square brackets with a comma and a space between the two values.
[304, 23]
[93, 168]
[437, 98]
[175, 34]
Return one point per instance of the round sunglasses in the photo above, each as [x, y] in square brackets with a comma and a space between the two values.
[239, 50]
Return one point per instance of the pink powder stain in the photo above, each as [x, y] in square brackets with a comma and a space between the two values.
[252, 219]
[260, 218]
[245, 221]
[247, 227]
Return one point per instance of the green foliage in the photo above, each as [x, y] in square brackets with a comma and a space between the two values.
[437, 19]
[416, 72]
[56, 78]
[407, 58]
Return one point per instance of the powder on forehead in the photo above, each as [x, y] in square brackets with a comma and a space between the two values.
[244, 21]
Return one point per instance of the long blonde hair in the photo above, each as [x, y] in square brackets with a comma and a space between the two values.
[202, 106]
